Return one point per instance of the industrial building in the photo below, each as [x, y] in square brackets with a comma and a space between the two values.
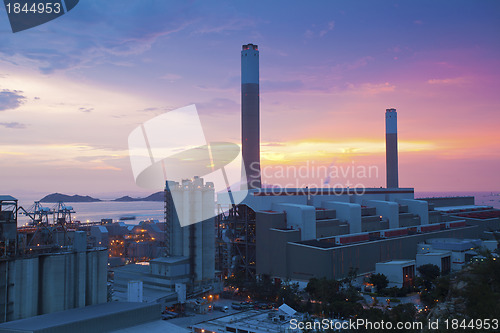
[46, 267]
[441, 259]
[252, 321]
[455, 253]
[127, 243]
[287, 233]
[189, 248]
[399, 273]
[191, 241]
[326, 232]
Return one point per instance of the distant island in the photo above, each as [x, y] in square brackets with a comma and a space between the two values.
[58, 197]
[158, 196]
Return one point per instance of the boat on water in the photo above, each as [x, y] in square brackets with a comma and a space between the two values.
[127, 217]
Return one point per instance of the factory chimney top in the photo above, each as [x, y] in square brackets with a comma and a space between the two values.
[250, 46]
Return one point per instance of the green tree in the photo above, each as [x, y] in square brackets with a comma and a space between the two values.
[403, 313]
[323, 290]
[289, 294]
[237, 280]
[482, 291]
[265, 289]
[379, 280]
[428, 273]
[351, 276]
[332, 300]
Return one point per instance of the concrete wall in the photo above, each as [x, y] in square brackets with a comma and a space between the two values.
[335, 262]
[307, 262]
[57, 283]
[368, 211]
[393, 271]
[372, 223]
[271, 252]
[300, 217]
[482, 225]
[52, 282]
[417, 207]
[277, 258]
[24, 296]
[96, 279]
[450, 201]
[325, 214]
[408, 220]
[434, 217]
[388, 210]
[347, 212]
[327, 228]
[433, 258]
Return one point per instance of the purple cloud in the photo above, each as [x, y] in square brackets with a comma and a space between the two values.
[13, 125]
[10, 99]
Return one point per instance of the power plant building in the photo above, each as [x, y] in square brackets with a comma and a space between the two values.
[194, 240]
[301, 233]
[45, 278]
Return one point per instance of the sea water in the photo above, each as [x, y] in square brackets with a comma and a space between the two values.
[95, 211]
[145, 210]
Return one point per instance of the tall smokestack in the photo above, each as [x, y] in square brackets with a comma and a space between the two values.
[250, 124]
[391, 147]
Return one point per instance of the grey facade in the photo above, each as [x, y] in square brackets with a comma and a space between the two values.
[307, 259]
[282, 253]
[52, 282]
[449, 201]
[195, 241]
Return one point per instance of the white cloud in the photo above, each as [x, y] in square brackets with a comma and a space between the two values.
[330, 27]
[448, 81]
[171, 77]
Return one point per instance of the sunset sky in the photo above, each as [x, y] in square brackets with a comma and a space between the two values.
[72, 90]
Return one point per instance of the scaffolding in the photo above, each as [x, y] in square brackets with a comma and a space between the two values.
[47, 229]
[236, 235]
[8, 226]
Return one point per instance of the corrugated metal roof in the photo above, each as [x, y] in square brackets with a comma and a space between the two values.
[72, 319]
[7, 198]
[170, 259]
[286, 309]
